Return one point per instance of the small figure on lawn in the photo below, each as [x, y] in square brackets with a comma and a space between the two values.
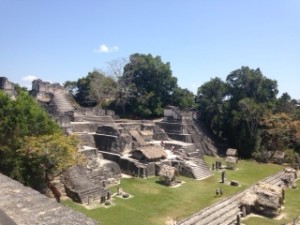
[221, 191]
[217, 192]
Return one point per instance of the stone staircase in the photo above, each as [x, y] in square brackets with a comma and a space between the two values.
[202, 140]
[225, 211]
[62, 102]
[191, 151]
[199, 169]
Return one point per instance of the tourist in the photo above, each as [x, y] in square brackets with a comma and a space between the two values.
[162, 144]
[217, 192]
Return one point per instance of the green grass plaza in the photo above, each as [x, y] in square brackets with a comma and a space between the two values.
[152, 203]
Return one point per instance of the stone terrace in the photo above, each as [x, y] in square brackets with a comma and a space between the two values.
[26, 206]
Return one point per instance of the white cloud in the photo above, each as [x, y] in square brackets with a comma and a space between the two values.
[105, 49]
[27, 81]
[29, 78]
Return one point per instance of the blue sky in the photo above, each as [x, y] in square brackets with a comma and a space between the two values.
[61, 40]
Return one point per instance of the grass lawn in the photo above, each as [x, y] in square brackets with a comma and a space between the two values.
[291, 210]
[154, 204]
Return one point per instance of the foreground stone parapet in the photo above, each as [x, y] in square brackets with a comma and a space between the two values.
[26, 206]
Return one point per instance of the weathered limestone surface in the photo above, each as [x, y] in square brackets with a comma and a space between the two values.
[26, 206]
[183, 126]
[86, 184]
[7, 87]
[80, 188]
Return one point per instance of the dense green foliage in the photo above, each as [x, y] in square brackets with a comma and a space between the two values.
[23, 120]
[94, 89]
[142, 89]
[237, 108]
[151, 82]
[147, 86]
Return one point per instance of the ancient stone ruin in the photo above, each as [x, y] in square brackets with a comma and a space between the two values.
[231, 158]
[113, 146]
[135, 147]
[264, 199]
[7, 87]
[167, 175]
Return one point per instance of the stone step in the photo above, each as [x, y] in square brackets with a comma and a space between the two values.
[228, 217]
[225, 211]
[199, 169]
[62, 102]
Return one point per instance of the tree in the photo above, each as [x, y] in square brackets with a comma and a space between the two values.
[150, 82]
[279, 132]
[47, 156]
[250, 83]
[183, 98]
[95, 89]
[211, 101]
[250, 96]
[23, 123]
[285, 104]
[233, 109]
[71, 87]
[22, 117]
[251, 114]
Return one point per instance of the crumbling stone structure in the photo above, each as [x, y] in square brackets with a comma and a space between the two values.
[183, 126]
[81, 189]
[264, 199]
[231, 158]
[7, 87]
[86, 184]
[167, 175]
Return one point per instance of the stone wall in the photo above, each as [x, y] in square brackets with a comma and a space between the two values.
[45, 87]
[114, 144]
[26, 206]
[80, 188]
[7, 87]
[132, 167]
[95, 111]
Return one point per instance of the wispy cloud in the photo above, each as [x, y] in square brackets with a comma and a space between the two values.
[106, 49]
[29, 78]
[27, 81]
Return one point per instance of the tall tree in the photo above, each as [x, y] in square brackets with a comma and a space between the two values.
[183, 98]
[151, 82]
[211, 100]
[233, 109]
[95, 89]
[279, 132]
[47, 156]
[285, 104]
[21, 120]
[251, 95]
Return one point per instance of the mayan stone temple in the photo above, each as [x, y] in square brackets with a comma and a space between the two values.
[168, 147]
